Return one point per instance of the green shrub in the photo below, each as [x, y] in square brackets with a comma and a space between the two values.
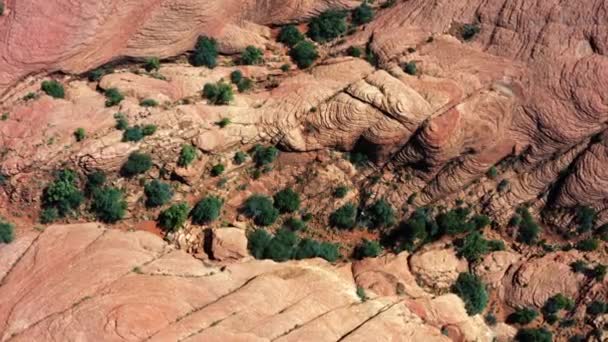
[496, 245]
[236, 76]
[503, 185]
[367, 249]
[480, 221]
[469, 31]
[223, 122]
[244, 85]
[174, 217]
[7, 231]
[579, 266]
[97, 74]
[597, 307]
[252, 55]
[295, 224]
[149, 129]
[598, 272]
[490, 319]
[354, 51]
[340, 192]
[121, 121]
[219, 93]
[455, 221]
[157, 193]
[151, 63]
[53, 89]
[285, 67]
[136, 164]
[205, 53]
[63, 193]
[134, 133]
[148, 103]
[556, 303]
[80, 134]
[95, 180]
[113, 97]
[285, 245]
[492, 172]
[186, 156]
[307, 217]
[1, 8]
[585, 218]
[264, 155]
[49, 215]
[362, 14]
[361, 294]
[344, 217]
[282, 245]
[261, 210]
[240, 157]
[217, 170]
[358, 159]
[472, 291]
[528, 228]
[207, 210]
[304, 54]
[522, 316]
[287, 200]
[327, 26]
[108, 204]
[588, 245]
[30, 96]
[473, 247]
[257, 242]
[602, 232]
[534, 335]
[410, 68]
[381, 214]
[290, 35]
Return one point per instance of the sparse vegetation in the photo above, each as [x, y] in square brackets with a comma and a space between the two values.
[30, 96]
[327, 26]
[528, 228]
[534, 335]
[263, 156]
[286, 245]
[344, 217]
[361, 294]
[217, 170]
[218, 94]
[367, 249]
[381, 214]
[136, 164]
[469, 31]
[108, 204]
[134, 134]
[287, 200]
[236, 76]
[113, 97]
[62, 196]
[362, 14]
[80, 134]
[261, 209]
[354, 51]
[121, 121]
[97, 74]
[53, 88]
[473, 247]
[557, 303]
[7, 231]
[205, 52]
[148, 103]
[95, 180]
[588, 245]
[252, 56]
[294, 224]
[290, 35]
[240, 157]
[585, 218]
[472, 291]
[151, 63]
[304, 54]
[522, 316]
[207, 210]
[174, 217]
[285, 67]
[223, 122]
[244, 84]
[492, 172]
[187, 155]
[157, 193]
[596, 308]
[1, 7]
[340, 192]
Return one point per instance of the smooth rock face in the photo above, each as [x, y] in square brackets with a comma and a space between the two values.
[109, 285]
[228, 244]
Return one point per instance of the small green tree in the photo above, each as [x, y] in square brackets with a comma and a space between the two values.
[264, 155]
[151, 63]
[257, 242]
[469, 31]
[108, 204]
[53, 88]
[7, 231]
[113, 97]
[381, 214]
[473, 247]
[149, 129]
[223, 122]
[287, 200]
[261, 209]
[207, 210]
[136, 164]
[588, 245]
[522, 316]
[80, 134]
[597, 307]
[340, 192]
[534, 335]
[327, 26]
[367, 249]
[205, 52]
[133, 133]
[217, 170]
[472, 291]
[252, 56]
[556, 303]
[157, 193]
[95, 180]
[304, 54]
[240, 157]
[148, 103]
[362, 14]
[218, 94]
[344, 217]
[174, 217]
[63, 193]
[187, 155]
[410, 68]
[121, 121]
[294, 224]
[244, 84]
[354, 51]
[290, 35]
[282, 246]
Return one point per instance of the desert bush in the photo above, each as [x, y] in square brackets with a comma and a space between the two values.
[174, 217]
[534, 335]
[136, 164]
[80, 134]
[362, 14]
[455, 221]
[354, 51]
[257, 242]
[252, 56]
[340, 192]
[157, 193]
[294, 224]
[244, 84]
[367, 249]
[344, 217]
[287, 200]
[260, 208]
[522, 316]
[528, 228]
[285, 245]
[205, 52]
[149, 129]
[469, 31]
[240, 157]
[108, 204]
[1, 7]
[207, 210]
[224, 122]
[48, 215]
[53, 88]
[148, 103]
[62, 194]
[95, 180]
[602, 232]
[264, 155]
[327, 26]
[585, 218]
[598, 272]
[496, 245]
[410, 68]
[236, 76]
[96, 74]
[7, 231]
[113, 97]
[151, 63]
[472, 291]
[285, 67]
[218, 94]
[121, 121]
[597, 307]
[304, 54]
[282, 246]
[381, 214]
[492, 172]
[290, 35]
[556, 303]
[217, 170]
[473, 247]
[186, 156]
[133, 133]
[588, 245]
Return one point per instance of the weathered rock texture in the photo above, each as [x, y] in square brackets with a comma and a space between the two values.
[84, 282]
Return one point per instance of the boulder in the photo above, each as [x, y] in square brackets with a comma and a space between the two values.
[436, 266]
[228, 244]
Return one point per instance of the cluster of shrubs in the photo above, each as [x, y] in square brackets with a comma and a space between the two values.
[7, 234]
[242, 83]
[186, 155]
[137, 133]
[534, 335]
[264, 155]
[378, 215]
[113, 97]
[303, 52]
[286, 245]
[205, 53]
[61, 197]
[472, 291]
[53, 89]
[528, 229]
[252, 56]
[522, 316]
[473, 246]
[554, 305]
[136, 164]
[206, 210]
[598, 272]
[219, 93]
